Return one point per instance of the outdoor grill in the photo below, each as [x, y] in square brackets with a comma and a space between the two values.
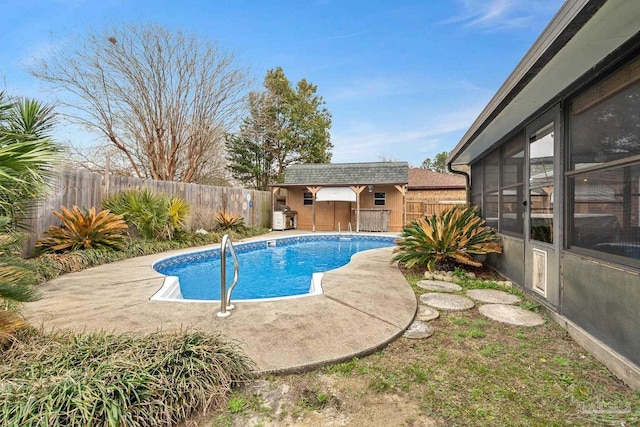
[284, 218]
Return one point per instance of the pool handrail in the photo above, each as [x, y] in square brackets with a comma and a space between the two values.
[225, 294]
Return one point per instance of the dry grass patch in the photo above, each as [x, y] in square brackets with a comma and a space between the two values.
[471, 372]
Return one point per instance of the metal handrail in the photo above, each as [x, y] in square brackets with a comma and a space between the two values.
[225, 294]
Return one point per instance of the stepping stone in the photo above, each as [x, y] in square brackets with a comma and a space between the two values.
[447, 302]
[427, 313]
[511, 314]
[438, 286]
[418, 330]
[492, 296]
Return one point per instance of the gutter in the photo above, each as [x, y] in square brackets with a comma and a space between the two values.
[467, 182]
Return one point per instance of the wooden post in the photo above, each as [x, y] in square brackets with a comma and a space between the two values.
[274, 190]
[358, 189]
[313, 191]
[106, 177]
[403, 190]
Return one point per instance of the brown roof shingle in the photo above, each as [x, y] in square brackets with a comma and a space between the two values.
[423, 179]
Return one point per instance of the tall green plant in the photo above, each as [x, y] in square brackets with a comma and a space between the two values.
[15, 282]
[84, 230]
[151, 215]
[26, 153]
[455, 235]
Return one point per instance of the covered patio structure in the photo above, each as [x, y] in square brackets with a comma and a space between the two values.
[342, 196]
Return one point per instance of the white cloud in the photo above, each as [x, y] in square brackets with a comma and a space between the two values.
[500, 15]
[368, 141]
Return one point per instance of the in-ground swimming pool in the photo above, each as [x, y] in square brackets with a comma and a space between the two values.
[274, 268]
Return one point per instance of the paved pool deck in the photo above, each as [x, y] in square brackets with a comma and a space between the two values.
[365, 305]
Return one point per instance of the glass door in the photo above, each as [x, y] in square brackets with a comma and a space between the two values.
[542, 210]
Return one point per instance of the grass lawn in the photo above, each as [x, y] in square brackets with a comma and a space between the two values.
[472, 372]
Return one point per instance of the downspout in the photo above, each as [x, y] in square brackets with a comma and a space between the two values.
[467, 184]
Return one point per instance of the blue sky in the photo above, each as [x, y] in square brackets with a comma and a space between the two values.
[402, 79]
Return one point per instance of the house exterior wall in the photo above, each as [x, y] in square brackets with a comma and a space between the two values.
[605, 301]
[597, 193]
[329, 214]
[510, 262]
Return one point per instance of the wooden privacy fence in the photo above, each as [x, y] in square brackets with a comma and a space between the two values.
[419, 209]
[88, 189]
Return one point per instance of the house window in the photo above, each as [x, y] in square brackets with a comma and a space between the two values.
[490, 188]
[512, 186]
[379, 198]
[476, 185]
[603, 180]
[307, 198]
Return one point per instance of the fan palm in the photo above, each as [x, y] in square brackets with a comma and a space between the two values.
[152, 215]
[26, 153]
[15, 283]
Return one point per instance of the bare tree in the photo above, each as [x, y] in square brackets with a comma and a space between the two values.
[164, 99]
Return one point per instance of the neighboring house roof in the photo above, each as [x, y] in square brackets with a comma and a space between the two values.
[565, 52]
[425, 179]
[347, 173]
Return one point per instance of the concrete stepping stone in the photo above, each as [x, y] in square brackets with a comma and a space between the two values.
[418, 330]
[439, 286]
[511, 314]
[447, 301]
[426, 313]
[492, 296]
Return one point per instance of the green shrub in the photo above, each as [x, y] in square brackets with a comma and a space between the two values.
[152, 216]
[16, 279]
[116, 380]
[84, 230]
[229, 222]
[49, 266]
[455, 235]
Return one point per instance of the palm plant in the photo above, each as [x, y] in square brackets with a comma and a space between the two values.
[455, 235]
[26, 153]
[84, 230]
[229, 222]
[15, 283]
[151, 215]
[177, 215]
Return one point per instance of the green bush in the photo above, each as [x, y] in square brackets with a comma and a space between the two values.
[16, 280]
[151, 215]
[229, 222]
[84, 230]
[49, 266]
[455, 235]
[116, 380]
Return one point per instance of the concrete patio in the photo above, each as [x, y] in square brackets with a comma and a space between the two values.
[365, 305]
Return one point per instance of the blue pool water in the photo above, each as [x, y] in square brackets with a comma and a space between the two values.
[282, 268]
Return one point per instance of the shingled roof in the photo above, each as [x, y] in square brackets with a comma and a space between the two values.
[347, 173]
[425, 179]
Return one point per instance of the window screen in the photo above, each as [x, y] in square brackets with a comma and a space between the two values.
[604, 178]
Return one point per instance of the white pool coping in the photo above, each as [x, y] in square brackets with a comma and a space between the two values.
[170, 292]
[170, 289]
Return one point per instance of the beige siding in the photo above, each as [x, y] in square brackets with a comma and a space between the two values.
[328, 214]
